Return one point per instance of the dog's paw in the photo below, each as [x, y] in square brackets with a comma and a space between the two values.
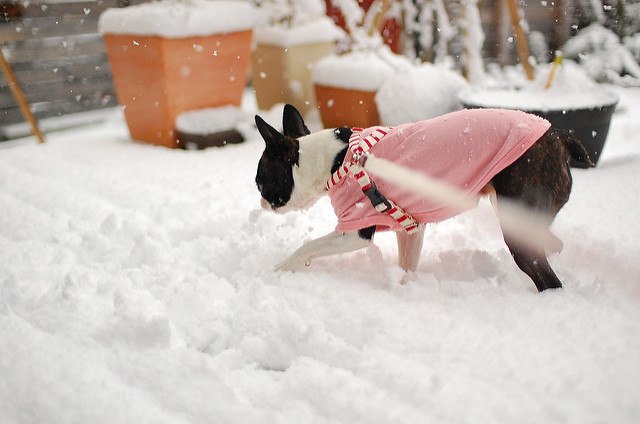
[292, 263]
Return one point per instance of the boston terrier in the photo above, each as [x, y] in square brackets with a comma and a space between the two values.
[509, 155]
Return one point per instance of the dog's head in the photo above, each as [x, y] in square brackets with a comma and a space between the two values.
[279, 162]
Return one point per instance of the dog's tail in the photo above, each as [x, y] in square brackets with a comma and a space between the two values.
[576, 149]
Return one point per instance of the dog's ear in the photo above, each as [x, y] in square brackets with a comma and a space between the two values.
[271, 136]
[292, 122]
[278, 146]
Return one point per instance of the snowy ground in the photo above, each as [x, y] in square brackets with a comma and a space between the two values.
[136, 286]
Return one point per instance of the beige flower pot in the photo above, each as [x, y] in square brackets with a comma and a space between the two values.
[283, 74]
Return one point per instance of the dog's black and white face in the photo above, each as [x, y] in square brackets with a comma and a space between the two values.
[295, 166]
[280, 160]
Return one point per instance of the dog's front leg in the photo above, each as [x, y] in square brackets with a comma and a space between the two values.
[331, 244]
[409, 248]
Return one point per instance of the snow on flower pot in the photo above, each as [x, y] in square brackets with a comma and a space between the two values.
[422, 92]
[574, 102]
[346, 85]
[171, 57]
[213, 127]
[283, 60]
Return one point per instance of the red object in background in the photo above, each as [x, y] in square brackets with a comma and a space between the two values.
[390, 30]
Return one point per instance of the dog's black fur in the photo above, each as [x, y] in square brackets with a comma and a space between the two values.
[540, 180]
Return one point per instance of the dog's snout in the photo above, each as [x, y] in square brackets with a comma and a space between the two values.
[264, 204]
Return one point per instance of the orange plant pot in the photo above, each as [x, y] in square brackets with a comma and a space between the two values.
[157, 78]
[341, 107]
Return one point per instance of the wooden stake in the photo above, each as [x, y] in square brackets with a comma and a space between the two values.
[521, 39]
[557, 62]
[18, 94]
[379, 18]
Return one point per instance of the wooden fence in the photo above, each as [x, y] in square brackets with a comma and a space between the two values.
[58, 57]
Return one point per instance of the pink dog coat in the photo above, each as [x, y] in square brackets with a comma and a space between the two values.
[465, 149]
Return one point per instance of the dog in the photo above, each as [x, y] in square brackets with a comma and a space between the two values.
[509, 155]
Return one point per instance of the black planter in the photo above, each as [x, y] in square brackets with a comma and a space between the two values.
[590, 125]
[211, 127]
[192, 141]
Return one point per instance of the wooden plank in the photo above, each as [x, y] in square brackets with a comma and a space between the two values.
[50, 109]
[50, 72]
[59, 40]
[61, 107]
[54, 49]
[78, 91]
[52, 26]
[51, 65]
[11, 116]
[36, 9]
[18, 95]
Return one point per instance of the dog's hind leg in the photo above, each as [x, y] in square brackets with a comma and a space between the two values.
[541, 181]
[409, 248]
[554, 244]
[534, 263]
[530, 259]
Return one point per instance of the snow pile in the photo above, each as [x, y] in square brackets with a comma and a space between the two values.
[472, 42]
[136, 286]
[363, 70]
[286, 24]
[633, 44]
[602, 55]
[179, 18]
[321, 30]
[290, 14]
[571, 89]
[421, 92]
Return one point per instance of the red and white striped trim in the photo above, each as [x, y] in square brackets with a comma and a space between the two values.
[358, 147]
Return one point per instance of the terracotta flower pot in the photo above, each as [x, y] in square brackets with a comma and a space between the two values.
[169, 57]
[346, 85]
[347, 107]
[157, 78]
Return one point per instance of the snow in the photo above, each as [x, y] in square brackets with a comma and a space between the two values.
[570, 89]
[287, 13]
[363, 70]
[633, 44]
[136, 286]
[179, 19]
[603, 56]
[420, 92]
[212, 120]
[319, 31]
[472, 42]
